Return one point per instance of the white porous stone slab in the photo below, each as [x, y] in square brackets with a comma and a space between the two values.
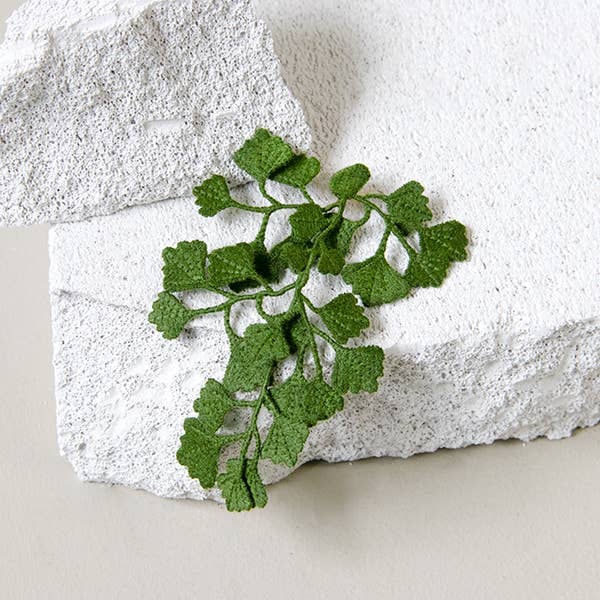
[495, 108]
[111, 104]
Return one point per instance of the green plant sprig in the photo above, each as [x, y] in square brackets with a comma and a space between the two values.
[320, 239]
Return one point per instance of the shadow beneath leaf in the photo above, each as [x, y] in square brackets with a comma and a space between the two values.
[319, 65]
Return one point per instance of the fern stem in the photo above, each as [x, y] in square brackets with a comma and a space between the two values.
[263, 190]
[310, 305]
[375, 196]
[260, 236]
[360, 222]
[299, 301]
[250, 208]
[390, 225]
[316, 329]
[326, 337]
[258, 446]
[312, 341]
[268, 287]
[269, 210]
[235, 298]
[383, 244]
[227, 323]
[260, 309]
[307, 195]
[279, 292]
[198, 312]
[300, 360]
[252, 430]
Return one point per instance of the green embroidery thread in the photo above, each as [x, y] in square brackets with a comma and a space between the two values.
[320, 239]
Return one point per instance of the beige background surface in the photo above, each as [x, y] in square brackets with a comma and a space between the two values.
[504, 521]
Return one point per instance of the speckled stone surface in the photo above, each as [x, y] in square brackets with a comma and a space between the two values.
[111, 104]
[495, 109]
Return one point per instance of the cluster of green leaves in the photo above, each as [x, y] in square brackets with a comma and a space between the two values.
[320, 239]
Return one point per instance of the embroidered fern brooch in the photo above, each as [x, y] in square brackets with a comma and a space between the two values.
[276, 367]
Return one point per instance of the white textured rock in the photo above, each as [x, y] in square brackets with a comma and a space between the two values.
[111, 104]
[496, 110]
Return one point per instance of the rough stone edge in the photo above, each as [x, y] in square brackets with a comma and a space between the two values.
[559, 428]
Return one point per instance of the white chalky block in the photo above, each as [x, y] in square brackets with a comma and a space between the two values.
[495, 108]
[105, 105]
